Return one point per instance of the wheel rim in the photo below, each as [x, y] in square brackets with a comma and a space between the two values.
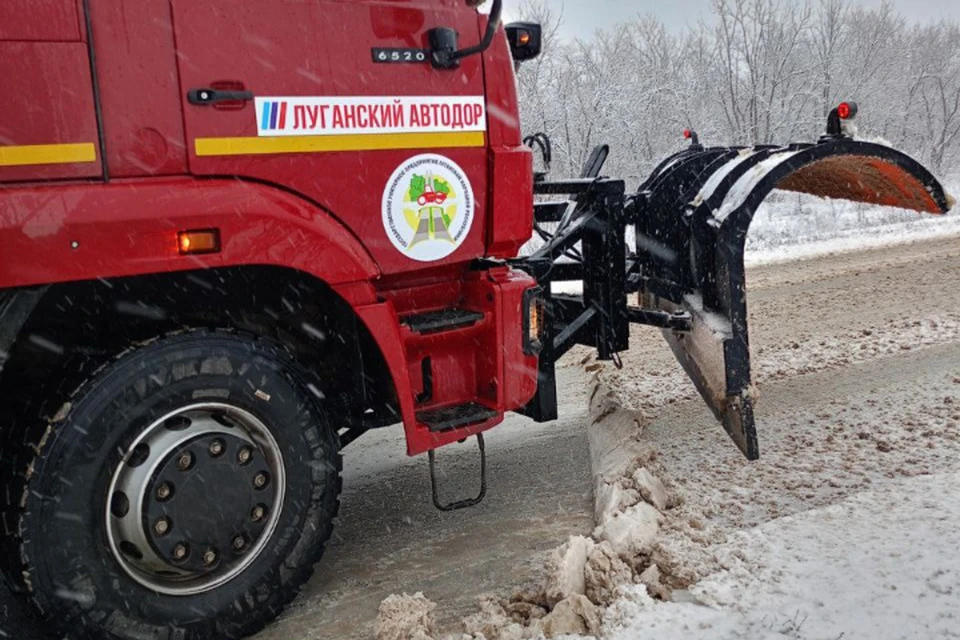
[195, 499]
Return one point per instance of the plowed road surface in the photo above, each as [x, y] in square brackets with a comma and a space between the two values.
[860, 346]
[390, 539]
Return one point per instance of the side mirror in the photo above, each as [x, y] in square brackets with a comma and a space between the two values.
[526, 40]
[443, 40]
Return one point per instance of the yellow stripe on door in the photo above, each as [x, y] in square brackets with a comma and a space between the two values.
[39, 154]
[206, 147]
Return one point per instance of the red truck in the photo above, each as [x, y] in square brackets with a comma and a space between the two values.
[235, 235]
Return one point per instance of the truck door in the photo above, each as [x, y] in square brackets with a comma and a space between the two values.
[304, 62]
[48, 124]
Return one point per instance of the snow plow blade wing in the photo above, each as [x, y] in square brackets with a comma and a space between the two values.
[692, 219]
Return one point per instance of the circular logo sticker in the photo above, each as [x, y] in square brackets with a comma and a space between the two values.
[428, 208]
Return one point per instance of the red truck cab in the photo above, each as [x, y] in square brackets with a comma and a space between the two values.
[323, 130]
[287, 182]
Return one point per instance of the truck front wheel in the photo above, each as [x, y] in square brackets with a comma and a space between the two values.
[186, 491]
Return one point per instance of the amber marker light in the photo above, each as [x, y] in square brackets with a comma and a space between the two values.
[534, 320]
[198, 242]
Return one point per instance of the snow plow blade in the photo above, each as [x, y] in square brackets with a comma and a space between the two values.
[692, 218]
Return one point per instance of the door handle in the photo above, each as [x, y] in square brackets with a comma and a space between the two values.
[203, 97]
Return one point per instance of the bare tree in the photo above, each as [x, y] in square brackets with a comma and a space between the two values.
[763, 71]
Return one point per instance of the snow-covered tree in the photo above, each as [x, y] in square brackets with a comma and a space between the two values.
[760, 72]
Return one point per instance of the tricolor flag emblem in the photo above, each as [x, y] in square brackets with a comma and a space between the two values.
[274, 116]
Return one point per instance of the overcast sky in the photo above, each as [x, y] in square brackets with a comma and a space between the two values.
[582, 17]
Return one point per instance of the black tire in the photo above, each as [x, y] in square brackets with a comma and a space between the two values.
[70, 573]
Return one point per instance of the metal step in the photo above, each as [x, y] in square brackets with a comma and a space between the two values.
[455, 417]
[439, 321]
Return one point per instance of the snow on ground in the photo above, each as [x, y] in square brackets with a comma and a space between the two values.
[851, 570]
[791, 226]
[846, 528]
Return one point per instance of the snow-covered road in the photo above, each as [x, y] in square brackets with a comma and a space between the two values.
[847, 526]
[879, 565]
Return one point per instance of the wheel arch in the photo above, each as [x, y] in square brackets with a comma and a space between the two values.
[86, 323]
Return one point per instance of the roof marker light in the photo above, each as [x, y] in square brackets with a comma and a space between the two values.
[847, 110]
[840, 122]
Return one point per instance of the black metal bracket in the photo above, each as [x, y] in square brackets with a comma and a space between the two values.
[462, 504]
[588, 246]
[680, 321]
[351, 435]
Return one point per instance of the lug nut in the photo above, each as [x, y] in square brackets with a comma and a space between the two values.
[258, 513]
[180, 552]
[239, 543]
[209, 557]
[162, 526]
[185, 461]
[260, 480]
[164, 491]
[216, 448]
[245, 455]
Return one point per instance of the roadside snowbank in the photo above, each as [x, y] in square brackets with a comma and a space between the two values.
[793, 227]
[851, 570]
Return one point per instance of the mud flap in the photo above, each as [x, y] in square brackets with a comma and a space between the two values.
[16, 305]
[692, 219]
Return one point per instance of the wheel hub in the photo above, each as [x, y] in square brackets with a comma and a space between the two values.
[195, 499]
[210, 497]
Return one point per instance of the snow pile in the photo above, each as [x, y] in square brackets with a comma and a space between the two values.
[585, 575]
[629, 499]
[567, 567]
[848, 570]
[406, 618]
